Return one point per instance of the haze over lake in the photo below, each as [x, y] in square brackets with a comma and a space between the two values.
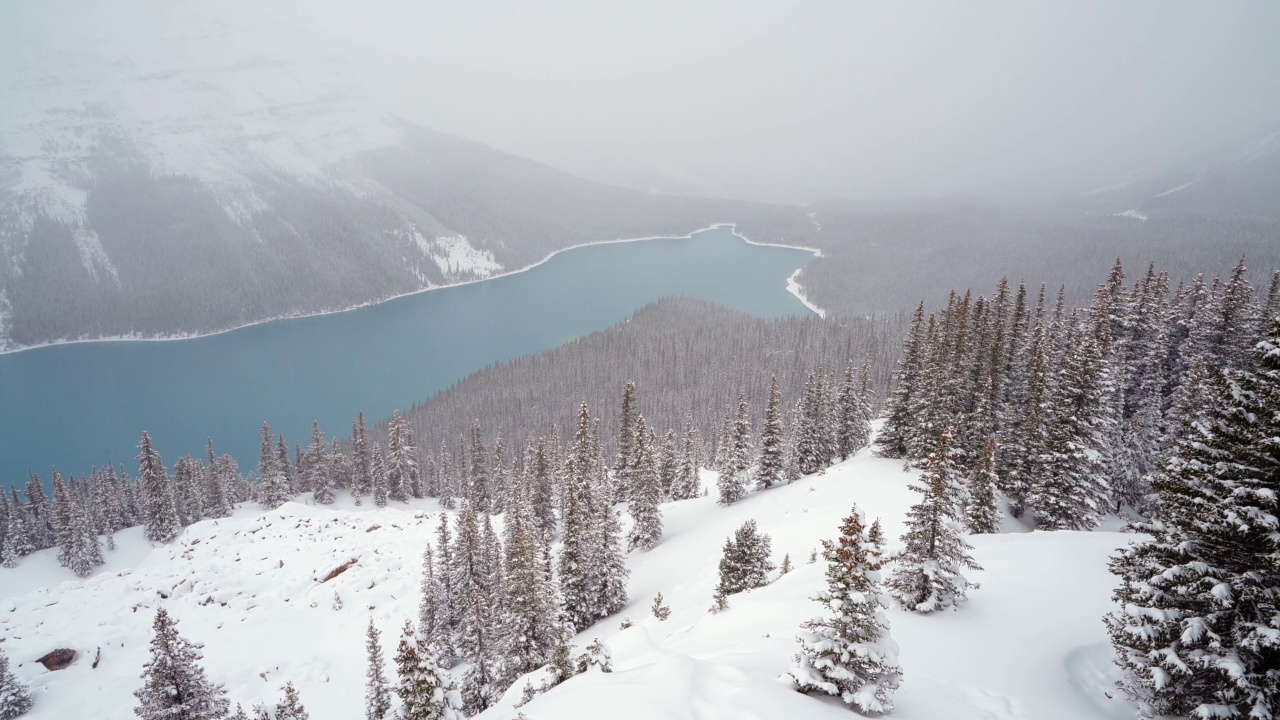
[80, 405]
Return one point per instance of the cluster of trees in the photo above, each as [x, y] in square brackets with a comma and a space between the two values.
[1196, 628]
[689, 355]
[84, 508]
[847, 652]
[176, 686]
[1068, 412]
[1165, 403]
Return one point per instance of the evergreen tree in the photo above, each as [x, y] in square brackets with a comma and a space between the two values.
[218, 483]
[745, 563]
[159, 518]
[317, 467]
[529, 629]
[401, 461]
[660, 611]
[810, 445]
[1195, 629]
[273, 483]
[982, 511]
[62, 532]
[478, 471]
[626, 443]
[425, 692]
[847, 652]
[646, 492]
[447, 607]
[928, 573]
[378, 475]
[849, 415]
[686, 485]
[769, 464]
[174, 685]
[290, 708]
[285, 469]
[433, 620]
[377, 697]
[611, 566]
[15, 698]
[668, 465]
[577, 565]
[86, 553]
[1070, 491]
[361, 482]
[899, 420]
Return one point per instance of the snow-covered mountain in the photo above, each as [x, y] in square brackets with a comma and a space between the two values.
[174, 168]
[1028, 644]
[1237, 179]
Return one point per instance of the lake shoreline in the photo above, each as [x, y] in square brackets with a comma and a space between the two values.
[817, 253]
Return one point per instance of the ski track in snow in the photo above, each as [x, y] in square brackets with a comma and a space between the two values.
[1029, 643]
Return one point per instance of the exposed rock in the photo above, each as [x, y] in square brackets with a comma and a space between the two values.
[339, 570]
[58, 659]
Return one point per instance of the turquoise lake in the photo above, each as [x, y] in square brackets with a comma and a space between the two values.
[80, 405]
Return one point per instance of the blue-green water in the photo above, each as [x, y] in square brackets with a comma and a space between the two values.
[77, 406]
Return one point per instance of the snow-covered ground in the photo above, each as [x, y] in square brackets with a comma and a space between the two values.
[1029, 644]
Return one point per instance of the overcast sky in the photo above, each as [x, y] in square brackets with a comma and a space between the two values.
[789, 101]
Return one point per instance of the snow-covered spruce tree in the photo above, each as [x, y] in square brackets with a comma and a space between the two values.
[847, 652]
[810, 445]
[174, 685]
[286, 468]
[646, 492]
[273, 484]
[1028, 433]
[848, 415]
[377, 696]
[982, 508]
[188, 500]
[745, 563]
[769, 467]
[86, 553]
[576, 564]
[425, 691]
[404, 474]
[361, 484]
[15, 698]
[892, 440]
[1071, 491]
[667, 464]
[1195, 628]
[217, 485]
[62, 519]
[159, 518]
[478, 485]
[686, 486]
[290, 706]
[626, 443]
[318, 467]
[433, 610]
[611, 566]
[529, 626]
[378, 475]
[864, 414]
[927, 576]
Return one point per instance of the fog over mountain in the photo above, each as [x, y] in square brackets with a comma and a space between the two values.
[175, 168]
[762, 100]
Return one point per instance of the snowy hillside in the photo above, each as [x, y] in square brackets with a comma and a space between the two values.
[1029, 644]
